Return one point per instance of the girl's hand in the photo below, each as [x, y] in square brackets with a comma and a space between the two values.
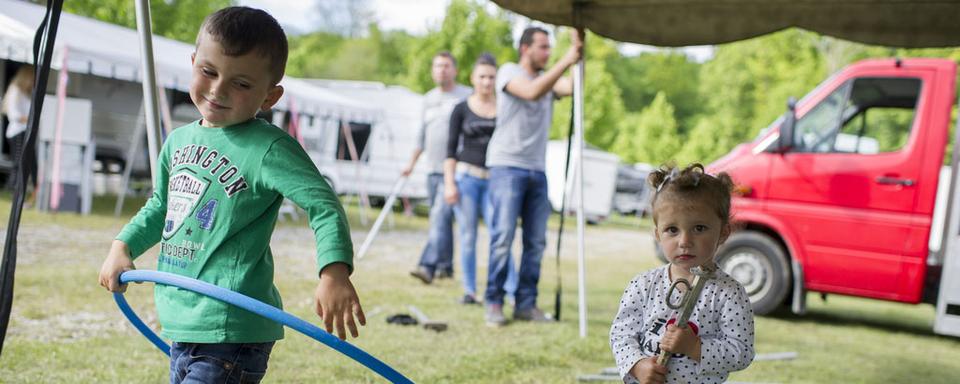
[681, 340]
[647, 371]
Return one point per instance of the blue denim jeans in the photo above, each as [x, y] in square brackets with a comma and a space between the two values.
[474, 202]
[192, 363]
[517, 193]
[438, 253]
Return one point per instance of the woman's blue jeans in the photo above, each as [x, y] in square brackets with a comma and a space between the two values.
[474, 203]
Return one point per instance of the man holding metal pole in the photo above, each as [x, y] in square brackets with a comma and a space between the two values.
[437, 257]
[516, 157]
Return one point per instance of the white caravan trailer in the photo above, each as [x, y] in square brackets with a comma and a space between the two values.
[599, 183]
[104, 64]
[383, 147]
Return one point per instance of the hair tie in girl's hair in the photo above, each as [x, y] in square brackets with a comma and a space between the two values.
[674, 173]
[696, 178]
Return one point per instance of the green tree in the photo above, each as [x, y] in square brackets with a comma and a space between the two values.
[175, 19]
[650, 136]
[603, 108]
[641, 77]
[394, 55]
[712, 137]
[378, 56]
[467, 31]
[745, 87]
[311, 54]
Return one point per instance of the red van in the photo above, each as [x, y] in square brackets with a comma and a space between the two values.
[839, 194]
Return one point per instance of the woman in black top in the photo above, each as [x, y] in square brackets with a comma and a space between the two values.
[465, 174]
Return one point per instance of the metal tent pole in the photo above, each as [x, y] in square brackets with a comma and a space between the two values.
[149, 83]
[578, 74]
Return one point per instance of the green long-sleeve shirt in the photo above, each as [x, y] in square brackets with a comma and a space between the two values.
[218, 191]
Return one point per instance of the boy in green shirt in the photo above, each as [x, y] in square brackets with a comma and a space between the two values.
[220, 183]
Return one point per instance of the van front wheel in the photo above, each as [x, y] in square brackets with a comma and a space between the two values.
[760, 264]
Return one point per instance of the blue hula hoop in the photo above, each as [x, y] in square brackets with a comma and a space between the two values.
[249, 304]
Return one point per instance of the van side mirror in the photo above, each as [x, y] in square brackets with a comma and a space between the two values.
[786, 128]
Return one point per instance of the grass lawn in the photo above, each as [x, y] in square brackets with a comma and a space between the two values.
[66, 329]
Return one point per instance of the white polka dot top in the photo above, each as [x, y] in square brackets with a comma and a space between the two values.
[723, 316]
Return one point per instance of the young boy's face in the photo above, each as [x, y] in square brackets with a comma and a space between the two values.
[230, 89]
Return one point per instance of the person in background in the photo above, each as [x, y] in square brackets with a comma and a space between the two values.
[16, 106]
[436, 260]
[465, 172]
[516, 157]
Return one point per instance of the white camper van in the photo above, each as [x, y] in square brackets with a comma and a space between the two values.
[106, 71]
[599, 182]
[383, 147]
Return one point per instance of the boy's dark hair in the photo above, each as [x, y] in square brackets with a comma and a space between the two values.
[486, 59]
[240, 30]
[447, 55]
[692, 183]
[527, 37]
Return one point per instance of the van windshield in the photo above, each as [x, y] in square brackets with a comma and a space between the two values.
[779, 120]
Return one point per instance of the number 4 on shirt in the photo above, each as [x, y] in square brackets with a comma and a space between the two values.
[206, 214]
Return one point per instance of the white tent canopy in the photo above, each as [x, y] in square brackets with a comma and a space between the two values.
[107, 50]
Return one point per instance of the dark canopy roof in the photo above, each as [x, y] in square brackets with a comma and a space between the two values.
[900, 23]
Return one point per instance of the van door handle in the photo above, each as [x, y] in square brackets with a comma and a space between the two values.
[894, 181]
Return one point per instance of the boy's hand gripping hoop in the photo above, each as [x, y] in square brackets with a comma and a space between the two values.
[689, 299]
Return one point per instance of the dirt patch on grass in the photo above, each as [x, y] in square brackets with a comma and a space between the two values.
[71, 327]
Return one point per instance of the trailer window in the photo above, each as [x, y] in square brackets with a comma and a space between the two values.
[877, 116]
[356, 143]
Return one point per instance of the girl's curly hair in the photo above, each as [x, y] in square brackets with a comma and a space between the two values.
[692, 183]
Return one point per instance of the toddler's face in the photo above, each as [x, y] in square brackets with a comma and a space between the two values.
[689, 232]
[229, 90]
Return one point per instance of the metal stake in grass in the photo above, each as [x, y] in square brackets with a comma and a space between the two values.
[432, 325]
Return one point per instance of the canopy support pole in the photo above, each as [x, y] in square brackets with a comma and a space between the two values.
[130, 159]
[149, 83]
[578, 73]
